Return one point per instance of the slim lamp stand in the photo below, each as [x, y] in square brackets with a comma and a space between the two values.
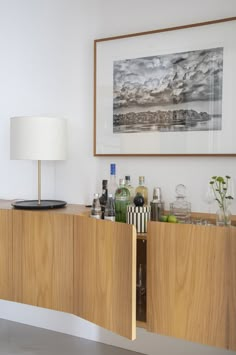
[39, 182]
[39, 204]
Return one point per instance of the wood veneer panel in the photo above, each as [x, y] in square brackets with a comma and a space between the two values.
[105, 274]
[192, 283]
[43, 259]
[6, 254]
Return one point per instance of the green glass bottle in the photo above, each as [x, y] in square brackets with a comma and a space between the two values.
[122, 200]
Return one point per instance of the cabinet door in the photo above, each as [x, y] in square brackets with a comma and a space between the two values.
[192, 283]
[6, 254]
[43, 259]
[105, 274]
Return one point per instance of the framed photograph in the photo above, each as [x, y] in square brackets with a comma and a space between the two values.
[167, 92]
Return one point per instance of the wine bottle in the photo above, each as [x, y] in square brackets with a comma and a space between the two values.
[142, 189]
[109, 213]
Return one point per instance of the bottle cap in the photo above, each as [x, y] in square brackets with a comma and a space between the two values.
[104, 183]
[127, 178]
[113, 169]
[157, 193]
[121, 182]
[141, 180]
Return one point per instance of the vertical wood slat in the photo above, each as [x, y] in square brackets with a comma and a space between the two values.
[6, 254]
[192, 283]
[43, 264]
[105, 274]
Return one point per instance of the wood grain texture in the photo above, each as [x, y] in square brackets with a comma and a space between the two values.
[43, 259]
[105, 274]
[6, 254]
[191, 281]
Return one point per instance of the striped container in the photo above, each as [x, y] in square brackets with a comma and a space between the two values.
[139, 217]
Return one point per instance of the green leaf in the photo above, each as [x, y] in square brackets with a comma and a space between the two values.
[214, 177]
[228, 177]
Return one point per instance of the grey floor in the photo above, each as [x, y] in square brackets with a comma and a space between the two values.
[20, 339]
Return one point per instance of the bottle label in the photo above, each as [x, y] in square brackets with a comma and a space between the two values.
[110, 218]
[97, 216]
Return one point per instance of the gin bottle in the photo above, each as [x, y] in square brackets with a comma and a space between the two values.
[142, 189]
[96, 210]
[122, 200]
[109, 213]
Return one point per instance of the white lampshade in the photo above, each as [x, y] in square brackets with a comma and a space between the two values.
[38, 138]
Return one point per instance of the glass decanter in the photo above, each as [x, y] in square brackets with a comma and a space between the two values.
[181, 208]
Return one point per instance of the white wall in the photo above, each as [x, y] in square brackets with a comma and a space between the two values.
[46, 67]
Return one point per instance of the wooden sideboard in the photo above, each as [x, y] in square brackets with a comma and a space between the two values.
[63, 260]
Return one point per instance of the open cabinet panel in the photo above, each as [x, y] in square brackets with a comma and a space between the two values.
[6, 254]
[192, 283]
[43, 264]
[105, 274]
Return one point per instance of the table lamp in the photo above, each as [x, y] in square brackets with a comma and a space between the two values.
[38, 138]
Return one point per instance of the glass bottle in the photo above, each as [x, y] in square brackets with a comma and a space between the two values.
[181, 208]
[157, 206]
[96, 210]
[110, 213]
[129, 187]
[103, 197]
[141, 283]
[112, 184]
[122, 200]
[142, 189]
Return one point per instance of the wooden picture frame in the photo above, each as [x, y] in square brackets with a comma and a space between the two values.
[167, 92]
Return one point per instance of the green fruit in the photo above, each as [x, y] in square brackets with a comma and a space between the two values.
[164, 218]
[172, 219]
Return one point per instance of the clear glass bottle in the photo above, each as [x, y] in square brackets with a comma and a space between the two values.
[181, 208]
[122, 200]
[103, 197]
[157, 206]
[112, 184]
[96, 211]
[142, 189]
[130, 188]
[110, 213]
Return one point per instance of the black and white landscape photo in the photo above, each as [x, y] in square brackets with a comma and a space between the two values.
[171, 92]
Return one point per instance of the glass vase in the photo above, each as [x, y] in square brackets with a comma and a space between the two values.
[223, 216]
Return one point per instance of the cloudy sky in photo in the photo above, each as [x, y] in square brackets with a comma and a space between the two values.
[168, 79]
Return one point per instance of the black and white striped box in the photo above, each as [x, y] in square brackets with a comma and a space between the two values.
[139, 217]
